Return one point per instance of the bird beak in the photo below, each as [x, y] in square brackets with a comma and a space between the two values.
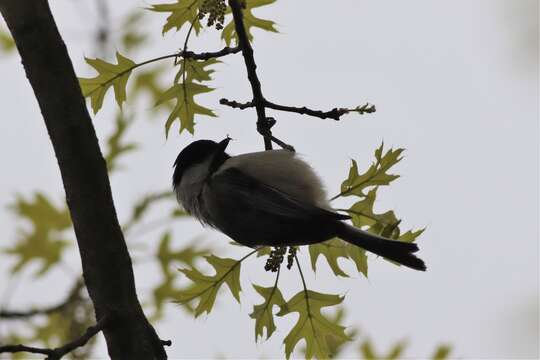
[222, 145]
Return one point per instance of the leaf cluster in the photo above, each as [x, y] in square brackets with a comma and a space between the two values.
[364, 188]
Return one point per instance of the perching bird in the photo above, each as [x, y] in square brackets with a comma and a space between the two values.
[269, 198]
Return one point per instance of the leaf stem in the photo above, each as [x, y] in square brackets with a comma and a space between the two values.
[273, 291]
[303, 284]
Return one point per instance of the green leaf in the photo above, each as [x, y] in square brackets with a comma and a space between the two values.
[187, 255]
[385, 224]
[166, 290]
[396, 351]
[335, 343]
[262, 313]
[115, 145]
[334, 249]
[359, 257]
[376, 174]
[196, 70]
[43, 243]
[148, 81]
[205, 287]
[250, 22]
[264, 251]
[115, 75]
[363, 216]
[6, 42]
[410, 236]
[312, 326]
[141, 207]
[131, 35]
[184, 90]
[181, 13]
[367, 352]
[185, 108]
[442, 352]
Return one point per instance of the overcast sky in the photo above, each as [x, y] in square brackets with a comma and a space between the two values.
[454, 82]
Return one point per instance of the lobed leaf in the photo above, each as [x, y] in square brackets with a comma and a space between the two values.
[181, 12]
[334, 249]
[115, 75]
[250, 22]
[205, 287]
[185, 108]
[141, 207]
[312, 326]
[187, 255]
[115, 145]
[262, 313]
[376, 174]
[166, 290]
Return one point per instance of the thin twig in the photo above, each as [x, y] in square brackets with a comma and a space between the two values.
[73, 295]
[282, 144]
[335, 113]
[185, 54]
[236, 105]
[58, 353]
[263, 126]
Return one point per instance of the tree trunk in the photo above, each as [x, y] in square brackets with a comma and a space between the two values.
[106, 264]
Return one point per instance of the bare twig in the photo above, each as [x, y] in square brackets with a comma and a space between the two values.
[335, 113]
[236, 105]
[58, 353]
[263, 125]
[74, 294]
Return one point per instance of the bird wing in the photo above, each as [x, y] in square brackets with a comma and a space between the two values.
[246, 191]
[283, 170]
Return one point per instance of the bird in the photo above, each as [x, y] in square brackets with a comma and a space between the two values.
[269, 198]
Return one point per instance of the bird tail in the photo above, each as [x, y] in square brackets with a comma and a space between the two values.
[400, 252]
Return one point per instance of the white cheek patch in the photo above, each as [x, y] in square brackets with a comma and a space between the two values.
[187, 193]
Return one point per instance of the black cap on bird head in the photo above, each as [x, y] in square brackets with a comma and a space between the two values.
[197, 152]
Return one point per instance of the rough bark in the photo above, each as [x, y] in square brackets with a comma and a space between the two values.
[106, 264]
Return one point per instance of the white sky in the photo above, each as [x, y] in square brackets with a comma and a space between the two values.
[455, 83]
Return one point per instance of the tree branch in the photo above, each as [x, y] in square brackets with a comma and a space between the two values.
[263, 125]
[335, 113]
[107, 267]
[74, 294]
[58, 353]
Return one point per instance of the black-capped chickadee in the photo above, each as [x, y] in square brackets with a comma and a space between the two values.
[269, 198]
